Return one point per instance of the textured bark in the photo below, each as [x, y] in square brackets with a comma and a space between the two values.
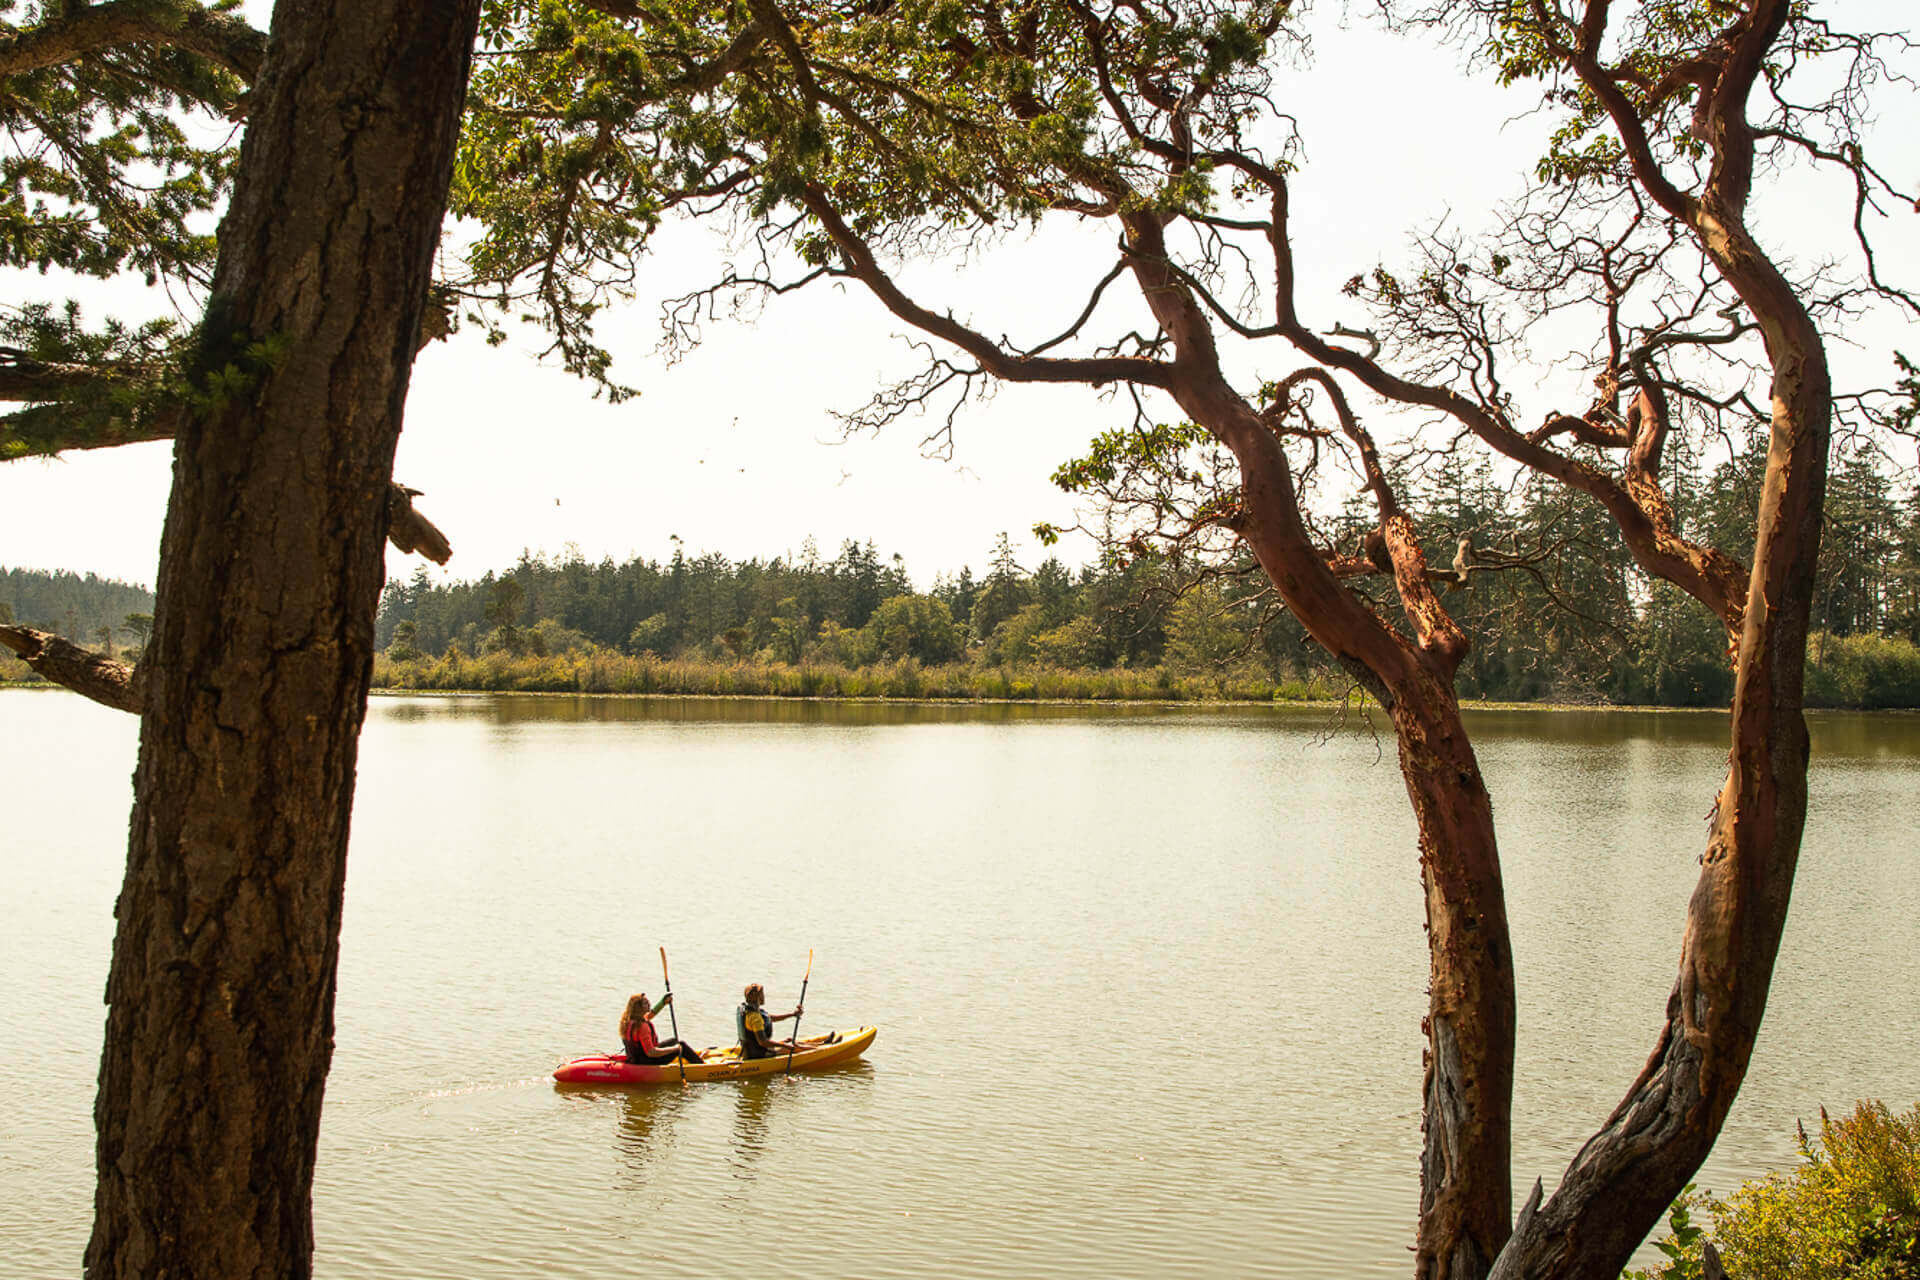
[1466, 1117]
[1470, 1023]
[1621, 1182]
[51, 427]
[1466, 1196]
[114, 684]
[1623, 1179]
[220, 1025]
[110, 683]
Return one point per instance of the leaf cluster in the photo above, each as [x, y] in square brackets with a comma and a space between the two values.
[1170, 486]
[1851, 1209]
[921, 121]
[121, 372]
[105, 167]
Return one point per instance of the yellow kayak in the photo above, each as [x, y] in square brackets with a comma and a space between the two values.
[815, 1052]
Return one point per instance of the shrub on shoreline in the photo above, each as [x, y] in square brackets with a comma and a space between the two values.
[1852, 1209]
[603, 671]
[1867, 672]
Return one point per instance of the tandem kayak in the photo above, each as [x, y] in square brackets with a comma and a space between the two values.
[721, 1064]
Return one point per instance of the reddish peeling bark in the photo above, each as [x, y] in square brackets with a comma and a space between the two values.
[1619, 1185]
[1621, 1182]
[1466, 1119]
[1466, 1201]
[220, 1025]
[1465, 1194]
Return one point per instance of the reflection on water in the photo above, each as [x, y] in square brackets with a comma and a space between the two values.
[1890, 735]
[646, 1128]
[1235, 886]
[751, 1099]
[522, 708]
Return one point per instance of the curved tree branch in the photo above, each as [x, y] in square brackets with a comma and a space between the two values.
[107, 682]
[85, 29]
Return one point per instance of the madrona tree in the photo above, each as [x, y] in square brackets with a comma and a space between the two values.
[851, 137]
[285, 405]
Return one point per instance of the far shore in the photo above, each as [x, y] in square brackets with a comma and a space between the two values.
[1184, 700]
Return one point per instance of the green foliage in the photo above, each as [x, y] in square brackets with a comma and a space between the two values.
[1655, 41]
[1682, 1246]
[1625, 640]
[908, 626]
[1852, 1210]
[596, 670]
[920, 117]
[1675, 654]
[137, 364]
[71, 604]
[1004, 594]
[1209, 630]
[402, 648]
[121, 152]
[1906, 410]
[1015, 639]
[1072, 644]
[1870, 672]
[102, 174]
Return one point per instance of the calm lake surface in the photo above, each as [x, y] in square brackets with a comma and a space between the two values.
[1148, 981]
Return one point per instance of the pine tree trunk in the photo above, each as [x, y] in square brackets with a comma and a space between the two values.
[220, 1026]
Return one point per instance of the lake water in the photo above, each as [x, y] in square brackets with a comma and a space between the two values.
[1148, 981]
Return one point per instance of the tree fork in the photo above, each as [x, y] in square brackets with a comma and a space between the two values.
[1466, 1188]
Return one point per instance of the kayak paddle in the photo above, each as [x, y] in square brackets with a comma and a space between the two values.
[678, 1056]
[795, 1041]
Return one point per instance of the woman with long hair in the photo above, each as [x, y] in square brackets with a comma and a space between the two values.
[642, 1043]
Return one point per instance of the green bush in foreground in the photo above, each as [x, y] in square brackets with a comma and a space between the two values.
[1851, 1210]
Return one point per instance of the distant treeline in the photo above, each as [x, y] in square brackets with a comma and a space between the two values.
[1557, 610]
[84, 608]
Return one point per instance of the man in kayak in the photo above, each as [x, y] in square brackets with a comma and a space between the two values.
[755, 1025]
[643, 1044]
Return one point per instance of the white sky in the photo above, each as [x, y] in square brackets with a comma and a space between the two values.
[735, 450]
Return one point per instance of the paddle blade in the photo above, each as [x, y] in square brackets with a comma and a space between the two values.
[809, 964]
[663, 967]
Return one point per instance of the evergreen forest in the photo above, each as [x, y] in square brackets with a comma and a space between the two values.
[1557, 610]
[111, 616]
[1560, 614]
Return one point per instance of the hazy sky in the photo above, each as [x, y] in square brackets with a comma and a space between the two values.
[735, 450]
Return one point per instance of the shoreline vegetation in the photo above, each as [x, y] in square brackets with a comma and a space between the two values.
[1857, 674]
[1851, 1207]
[1852, 674]
[905, 679]
[852, 627]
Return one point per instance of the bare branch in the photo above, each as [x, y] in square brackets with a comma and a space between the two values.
[109, 683]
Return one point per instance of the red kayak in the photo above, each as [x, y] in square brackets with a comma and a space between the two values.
[814, 1053]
